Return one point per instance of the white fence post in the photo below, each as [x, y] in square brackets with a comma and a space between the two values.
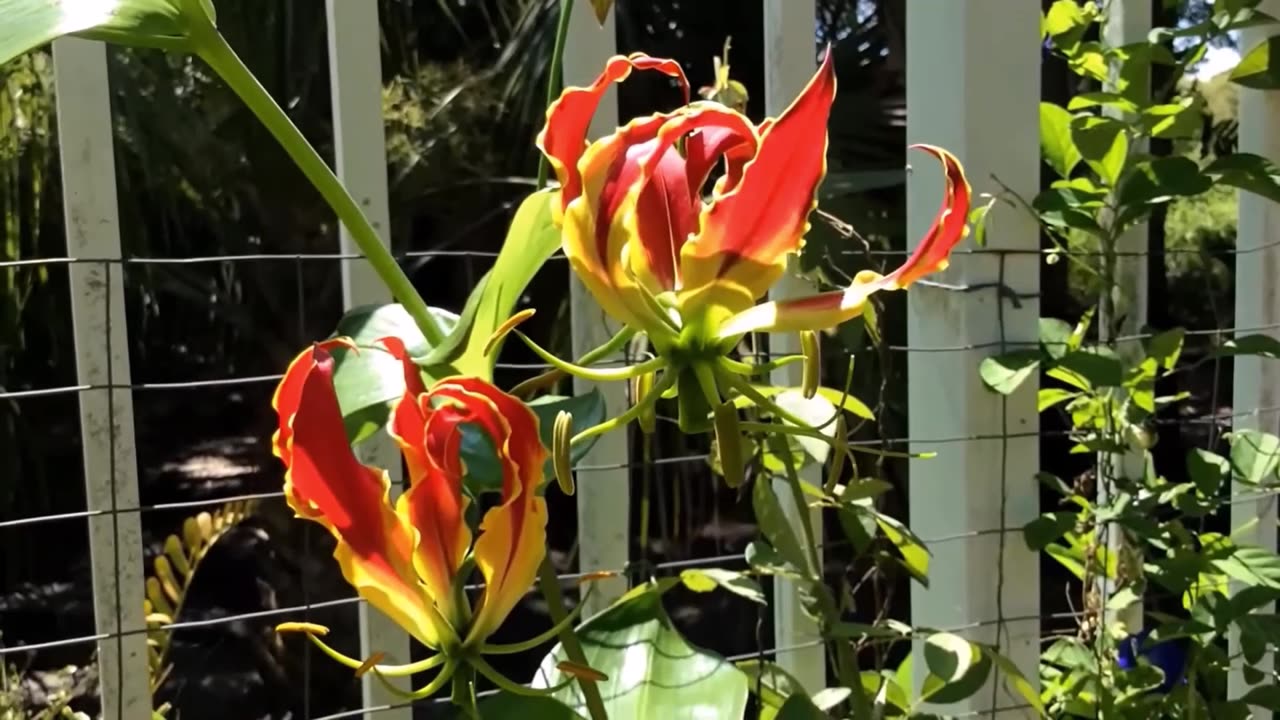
[1256, 379]
[1128, 21]
[790, 58]
[604, 491]
[984, 582]
[102, 359]
[360, 158]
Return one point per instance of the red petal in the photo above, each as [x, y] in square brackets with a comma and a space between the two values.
[518, 523]
[564, 138]
[764, 216]
[289, 392]
[949, 225]
[325, 482]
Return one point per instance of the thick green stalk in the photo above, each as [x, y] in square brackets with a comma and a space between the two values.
[464, 692]
[555, 74]
[550, 586]
[214, 50]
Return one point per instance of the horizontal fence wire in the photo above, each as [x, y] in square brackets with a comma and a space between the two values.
[656, 569]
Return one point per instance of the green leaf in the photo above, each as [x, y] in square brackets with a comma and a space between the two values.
[914, 553]
[851, 404]
[1160, 180]
[1247, 171]
[653, 671]
[1056, 145]
[703, 580]
[1047, 528]
[1166, 348]
[775, 526]
[1066, 24]
[1087, 369]
[369, 380]
[1175, 121]
[1254, 456]
[1006, 373]
[978, 221]
[772, 684]
[1207, 470]
[1014, 678]
[1048, 397]
[800, 707]
[1251, 565]
[957, 668]
[1103, 144]
[1259, 68]
[1261, 345]
[531, 239]
[29, 24]
[508, 704]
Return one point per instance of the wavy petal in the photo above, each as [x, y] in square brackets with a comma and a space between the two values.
[288, 393]
[406, 424]
[827, 310]
[758, 221]
[564, 138]
[816, 312]
[325, 482]
[512, 539]
[949, 227]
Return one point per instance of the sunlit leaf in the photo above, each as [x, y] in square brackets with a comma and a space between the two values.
[1056, 145]
[653, 671]
[707, 579]
[29, 24]
[1259, 68]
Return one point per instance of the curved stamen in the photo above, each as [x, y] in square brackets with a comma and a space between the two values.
[740, 368]
[505, 684]
[761, 400]
[513, 648]
[311, 631]
[594, 374]
[666, 381]
[431, 688]
[551, 377]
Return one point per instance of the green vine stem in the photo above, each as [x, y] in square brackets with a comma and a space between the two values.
[214, 50]
[463, 694]
[550, 586]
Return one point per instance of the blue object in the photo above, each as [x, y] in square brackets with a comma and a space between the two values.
[1168, 655]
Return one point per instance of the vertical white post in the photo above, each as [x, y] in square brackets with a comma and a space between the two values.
[102, 358]
[1256, 380]
[790, 56]
[360, 157]
[981, 571]
[604, 494]
[1128, 21]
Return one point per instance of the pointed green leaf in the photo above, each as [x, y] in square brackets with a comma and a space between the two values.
[653, 672]
[1006, 373]
[800, 707]
[1056, 145]
[28, 24]
[531, 239]
[1260, 67]
[707, 579]
[1254, 456]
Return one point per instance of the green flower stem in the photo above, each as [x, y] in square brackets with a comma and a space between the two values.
[214, 50]
[554, 74]
[464, 692]
[550, 586]
[846, 661]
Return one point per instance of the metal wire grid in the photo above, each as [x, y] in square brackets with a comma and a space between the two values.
[1002, 345]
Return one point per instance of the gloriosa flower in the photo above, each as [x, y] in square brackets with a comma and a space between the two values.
[410, 559]
[689, 272]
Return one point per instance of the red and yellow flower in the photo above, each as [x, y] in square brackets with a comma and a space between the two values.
[407, 558]
[687, 271]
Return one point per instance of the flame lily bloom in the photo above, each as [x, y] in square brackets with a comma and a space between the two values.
[689, 272]
[409, 559]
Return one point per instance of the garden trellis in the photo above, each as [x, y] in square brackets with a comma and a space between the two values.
[973, 69]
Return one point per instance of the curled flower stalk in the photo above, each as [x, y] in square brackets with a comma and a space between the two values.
[411, 558]
[689, 272]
